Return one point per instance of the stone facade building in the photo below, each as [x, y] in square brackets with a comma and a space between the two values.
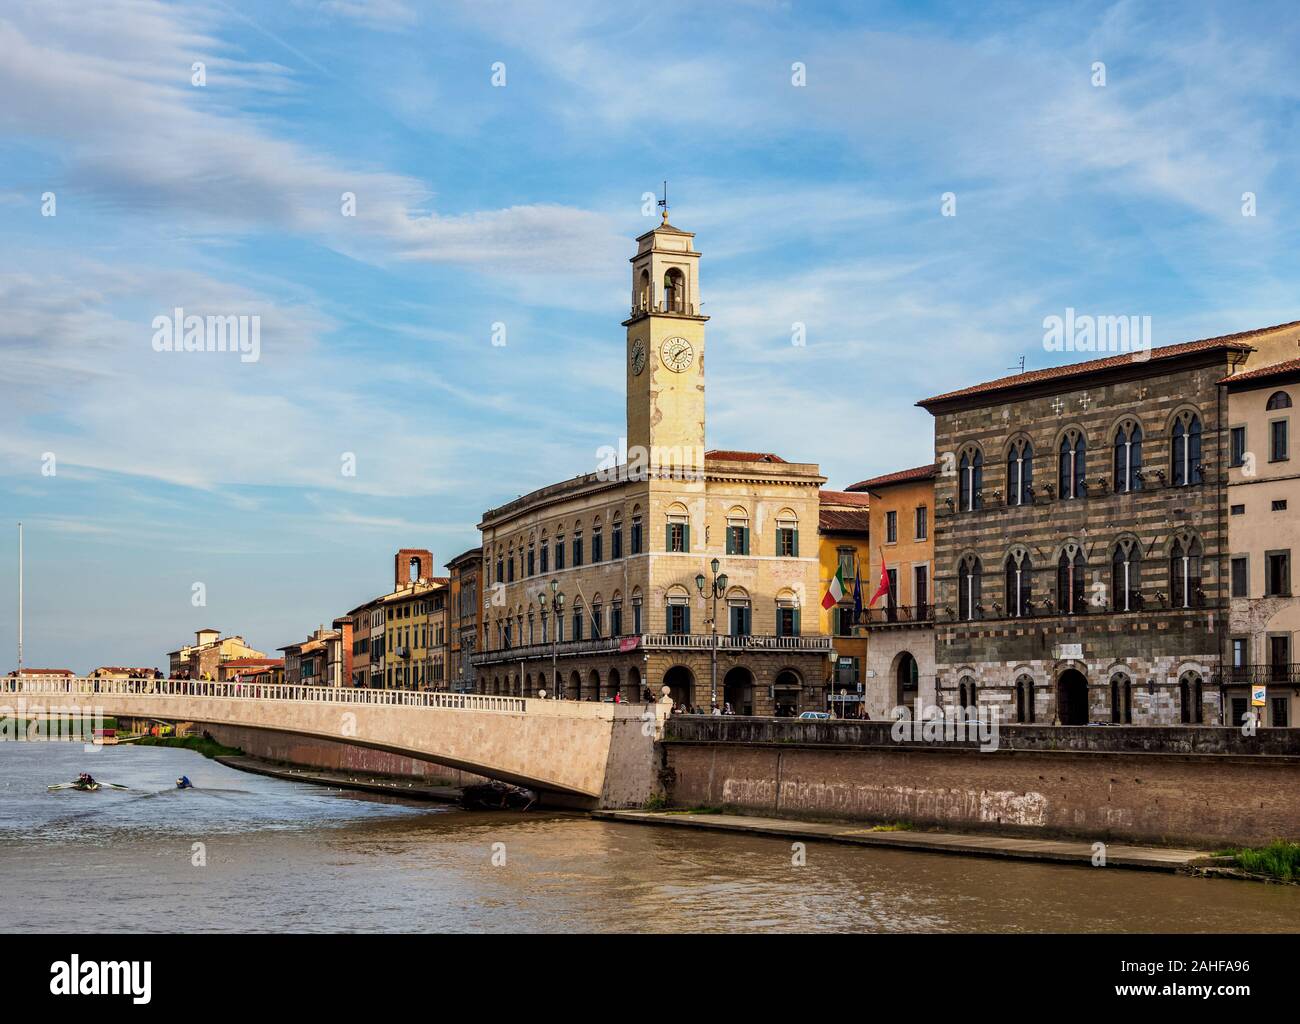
[200, 660]
[464, 618]
[1081, 537]
[1263, 540]
[900, 626]
[613, 582]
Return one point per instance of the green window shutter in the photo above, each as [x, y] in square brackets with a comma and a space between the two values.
[796, 621]
[731, 547]
[796, 543]
[744, 541]
[686, 539]
[686, 617]
[668, 537]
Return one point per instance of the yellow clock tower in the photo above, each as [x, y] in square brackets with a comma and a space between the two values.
[665, 349]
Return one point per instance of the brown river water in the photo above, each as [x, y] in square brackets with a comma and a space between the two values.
[285, 856]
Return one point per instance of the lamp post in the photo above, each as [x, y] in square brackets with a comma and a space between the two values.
[717, 589]
[834, 656]
[555, 604]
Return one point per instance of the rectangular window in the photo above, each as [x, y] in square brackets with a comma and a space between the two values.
[844, 620]
[1278, 449]
[1240, 586]
[787, 621]
[616, 542]
[510, 569]
[597, 547]
[1237, 446]
[546, 557]
[739, 625]
[847, 563]
[559, 551]
[891, 527]
[737, 539]
[679, 619]
[577, 548]
[635, 539]
[577, 623]
[1240, 652]
[616, 620]
[677, 537]
[922, 522]
[1279, 574]
[1279, 708]
[1279, 505]
[787, 542]
[921, 589]
[636, 617]
[1238, 510]
[532, 562]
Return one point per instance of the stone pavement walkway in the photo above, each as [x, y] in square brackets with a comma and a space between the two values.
[1150, 858]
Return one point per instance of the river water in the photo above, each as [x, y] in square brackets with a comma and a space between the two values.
[286, 856]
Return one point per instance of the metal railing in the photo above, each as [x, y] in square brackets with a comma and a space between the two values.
[78, 687]
[652, 641]
[1282, 674]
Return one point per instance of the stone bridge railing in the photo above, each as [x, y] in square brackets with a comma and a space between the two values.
[79, 687]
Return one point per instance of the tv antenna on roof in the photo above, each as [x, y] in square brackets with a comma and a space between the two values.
[1021, 367]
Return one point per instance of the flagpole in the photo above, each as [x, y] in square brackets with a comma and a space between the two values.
[20, 600]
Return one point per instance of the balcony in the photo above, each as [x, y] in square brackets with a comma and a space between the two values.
[1263, 675]
[898, 615]
[652, 641]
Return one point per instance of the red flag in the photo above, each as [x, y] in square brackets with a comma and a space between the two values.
[884, 580]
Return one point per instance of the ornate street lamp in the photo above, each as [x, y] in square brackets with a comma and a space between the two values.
[717, 589]
[555, 604]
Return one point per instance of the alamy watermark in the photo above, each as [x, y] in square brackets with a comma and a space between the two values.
[236, 333]
[661, 462]
[1086, 333]
[951, 724]
[38, 723]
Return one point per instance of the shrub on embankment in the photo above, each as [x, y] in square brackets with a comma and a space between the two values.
[200, 744]
[1280, 860]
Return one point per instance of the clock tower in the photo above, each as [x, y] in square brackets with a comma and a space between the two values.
[665, 348]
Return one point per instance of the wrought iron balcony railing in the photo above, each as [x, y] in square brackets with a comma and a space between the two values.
[1280, 674]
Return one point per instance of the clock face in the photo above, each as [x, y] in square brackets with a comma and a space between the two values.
[676, 354]
[638, 356]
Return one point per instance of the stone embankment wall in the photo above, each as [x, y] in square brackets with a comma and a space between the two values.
[1189, 786]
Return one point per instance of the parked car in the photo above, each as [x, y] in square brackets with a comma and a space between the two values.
[815, 715]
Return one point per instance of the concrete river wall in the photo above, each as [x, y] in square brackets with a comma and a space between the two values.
[1195, 785]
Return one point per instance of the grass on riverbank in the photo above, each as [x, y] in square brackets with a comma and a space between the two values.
[199, 744]
[1279, 859]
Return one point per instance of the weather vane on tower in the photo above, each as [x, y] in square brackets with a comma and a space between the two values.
[664, 203]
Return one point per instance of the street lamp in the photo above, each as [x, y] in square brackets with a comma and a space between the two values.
[717, 589]
[555, 604]
[834, 655]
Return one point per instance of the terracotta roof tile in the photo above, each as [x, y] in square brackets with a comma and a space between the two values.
[728, 455]
[833, 521]
[925, 472]
[844, 498]
[1276, 369]
[1227, 341]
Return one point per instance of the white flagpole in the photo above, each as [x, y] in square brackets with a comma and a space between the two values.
[20, 599]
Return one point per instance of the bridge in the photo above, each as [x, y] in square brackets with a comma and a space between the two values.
[591, 754]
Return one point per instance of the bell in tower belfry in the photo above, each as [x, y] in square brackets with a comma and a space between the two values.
[665, 345]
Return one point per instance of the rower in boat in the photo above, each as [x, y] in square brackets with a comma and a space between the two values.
[184, 783]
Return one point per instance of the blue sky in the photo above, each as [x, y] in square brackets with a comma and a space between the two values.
[517, 205]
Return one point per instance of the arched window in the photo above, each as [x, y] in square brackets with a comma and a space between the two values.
[968, 588]
[1185, 572]
[971, 480]
[1278, 400]
[1121, 699]
[1186, 453]
[1020, 473]
[1019, 582]
[966, 694]
[1125, 576]
[1025, 699]
[1128, 457]
[1071, 572]
[643, 291]
[1072, 465]
[1190, 693]
[674, 291]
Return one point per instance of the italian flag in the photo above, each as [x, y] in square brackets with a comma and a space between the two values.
[835, 592]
